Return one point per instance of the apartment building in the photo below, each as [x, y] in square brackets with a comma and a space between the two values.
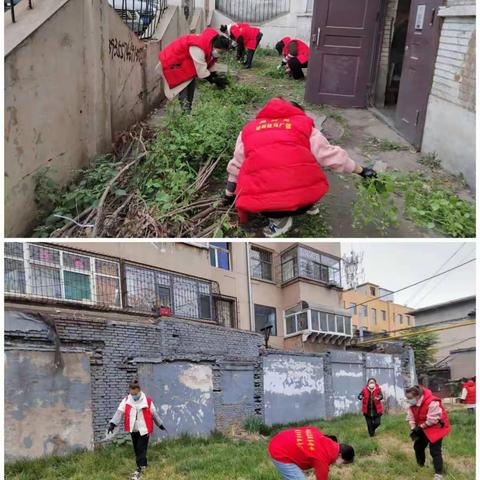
[378, 315]
[293, 290]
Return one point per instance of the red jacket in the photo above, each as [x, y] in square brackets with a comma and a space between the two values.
[147, 415]
[305, 447]
[177, 64]
[376, 401]
[435, 432]
[303, 50]
[471, 387]
[280, 172]
[248, 33]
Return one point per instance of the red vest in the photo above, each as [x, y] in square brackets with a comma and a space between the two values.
[366, 395]
[471, 397]
[435, 432]
[177, 64]
[248, 33]
[147, 416]
[279, 172]
[303, 446]
[303, 50]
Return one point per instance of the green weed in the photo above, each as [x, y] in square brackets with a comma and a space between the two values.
[374, 144]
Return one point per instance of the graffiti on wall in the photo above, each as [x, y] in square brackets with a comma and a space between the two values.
[125, 51]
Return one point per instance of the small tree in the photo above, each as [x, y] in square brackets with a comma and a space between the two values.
[423, 346]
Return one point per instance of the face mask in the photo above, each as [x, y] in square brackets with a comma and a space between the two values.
[412, 401]
[136, 397]
[371, 386]
[339, 461]
[215, 53]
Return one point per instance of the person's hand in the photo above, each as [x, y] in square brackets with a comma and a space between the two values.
[220, 82]
[162, 427]
[228, 198]
[415, 432]
[111, 427]
[211, 78]
[368, 172]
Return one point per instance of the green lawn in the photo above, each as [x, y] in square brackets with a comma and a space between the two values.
[388, 456]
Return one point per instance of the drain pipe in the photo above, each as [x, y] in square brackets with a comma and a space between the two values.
[249, 289]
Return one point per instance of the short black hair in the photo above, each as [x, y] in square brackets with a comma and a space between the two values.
[134, 384]
[347, 453]
[222, 42]
[295, 104]
[371, 378]
[223, 28]
[415, 390]
[279, 47]
[332, 437]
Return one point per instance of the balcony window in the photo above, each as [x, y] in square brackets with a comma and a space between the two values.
[219, 255]
[373, 316]
[51, 273]
[364, 311]
[311, 264]
[383, 315]
[224, 309]
[399, 319]
[265, 316]
[261, 263]
[313, 320]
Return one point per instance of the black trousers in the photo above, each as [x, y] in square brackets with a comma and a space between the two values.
[296, 68]
[140, 446]
[373, 423]
[421, 444]
[186, 96]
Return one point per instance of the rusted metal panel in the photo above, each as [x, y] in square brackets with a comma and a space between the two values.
[294, 388]
[48, 411]
[183, 394]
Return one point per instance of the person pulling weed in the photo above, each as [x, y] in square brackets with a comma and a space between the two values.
[295, 56]
[371, 397]
[190, 57]
[276, 168]
[429, 424]
[139, 414]
[297, 449]
[247, 39]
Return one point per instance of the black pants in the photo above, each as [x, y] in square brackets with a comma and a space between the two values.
[421, 444]
[140, 446]
[373, 423]
[186, 96]
[296, 68]
[291, 213]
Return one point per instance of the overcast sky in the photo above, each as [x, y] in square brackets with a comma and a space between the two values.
[395, 265]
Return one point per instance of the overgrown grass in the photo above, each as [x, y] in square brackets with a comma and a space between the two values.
[427, 202]
[387, 456]
[374, 144]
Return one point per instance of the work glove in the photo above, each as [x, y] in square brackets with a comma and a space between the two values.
[228, 199]
[211, 78]
[162, 427]
[416, 432]
[220, 82]
[368, 172]
[111, 427]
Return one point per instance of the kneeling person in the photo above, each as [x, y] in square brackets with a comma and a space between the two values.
[139, 414]
[295, 56]
[304, 448]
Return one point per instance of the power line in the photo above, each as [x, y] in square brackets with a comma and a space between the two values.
[438, 270]
[412, 284]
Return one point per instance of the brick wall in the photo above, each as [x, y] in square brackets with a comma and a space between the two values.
[117, 348]
[454, 78]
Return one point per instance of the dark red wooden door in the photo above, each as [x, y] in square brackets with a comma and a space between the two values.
[342, 51]
[418, 66]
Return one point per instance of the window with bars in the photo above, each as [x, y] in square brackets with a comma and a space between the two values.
[149, 289]
[220, 255]
[261, 263]
[265, 316]
[225, 312]
[311, 264]
[46, 272]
